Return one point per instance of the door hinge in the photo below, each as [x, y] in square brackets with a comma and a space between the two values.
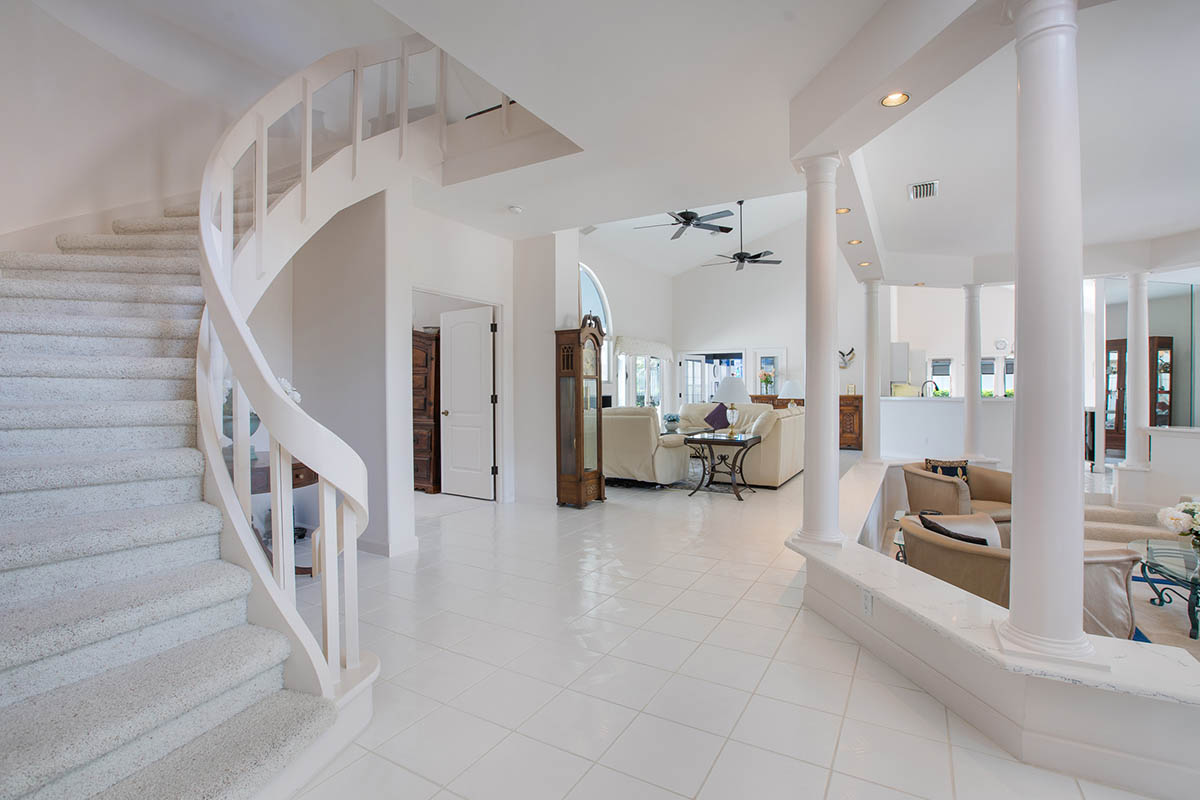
[495, 470]
[494, 328]
[495, 399]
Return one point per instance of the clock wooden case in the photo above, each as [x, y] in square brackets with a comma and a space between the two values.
[577, 413]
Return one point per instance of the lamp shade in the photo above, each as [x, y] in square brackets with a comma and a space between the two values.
[732, 390]
[791, 390]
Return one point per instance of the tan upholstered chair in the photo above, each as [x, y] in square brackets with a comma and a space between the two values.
[988, 490]
[633, 448]
[983, 571]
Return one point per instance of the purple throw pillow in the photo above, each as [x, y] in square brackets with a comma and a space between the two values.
[717, 419]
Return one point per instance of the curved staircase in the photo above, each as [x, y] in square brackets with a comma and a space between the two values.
[127, 667]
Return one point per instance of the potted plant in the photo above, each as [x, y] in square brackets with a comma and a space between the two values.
[767, 379]
[1183, 519]
[671, 422]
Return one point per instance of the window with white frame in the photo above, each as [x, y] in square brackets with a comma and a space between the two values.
[693, 381]
[593, 300]
[1010, 377]
[647, 380]
[939, 373]
[987, 377]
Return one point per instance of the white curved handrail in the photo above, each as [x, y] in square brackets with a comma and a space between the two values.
[231, 274]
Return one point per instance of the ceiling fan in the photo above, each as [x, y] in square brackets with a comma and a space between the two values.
[690, 219]
[741, 257]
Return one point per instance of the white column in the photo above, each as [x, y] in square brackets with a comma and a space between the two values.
[1046, 585]
[972, 399]
[872, 379]
[1101, 377]
[1137, 374]
[821, 381]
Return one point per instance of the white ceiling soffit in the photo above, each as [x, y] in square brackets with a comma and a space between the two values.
[672, 106]
[653, 248]
[858, 224]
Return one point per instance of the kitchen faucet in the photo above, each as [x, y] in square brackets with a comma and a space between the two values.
[923, 385]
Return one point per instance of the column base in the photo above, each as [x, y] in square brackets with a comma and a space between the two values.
[1015, 642]
[835, 538]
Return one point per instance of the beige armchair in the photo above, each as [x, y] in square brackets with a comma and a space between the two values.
[984, 571]
[989, 491]
[633, 448]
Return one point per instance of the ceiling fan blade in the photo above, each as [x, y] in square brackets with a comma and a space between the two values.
[662, 225]
[756, 261]
[718, 264]
[679, 232]
[675, 216]
[715, 215]
[741, 266]
[717, 228]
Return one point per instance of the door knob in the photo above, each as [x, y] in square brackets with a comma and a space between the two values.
[445, 413]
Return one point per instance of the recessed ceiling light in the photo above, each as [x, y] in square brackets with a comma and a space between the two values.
[894, 99]
[514, 209]
[919, 283]
[842, 210]
[854, 241]
[864, 263]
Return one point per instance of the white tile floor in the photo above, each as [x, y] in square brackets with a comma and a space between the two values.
[649, 648]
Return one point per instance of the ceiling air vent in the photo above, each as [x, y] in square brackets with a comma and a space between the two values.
[922, 191]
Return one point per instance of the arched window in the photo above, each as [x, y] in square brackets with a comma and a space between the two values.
[592, 300]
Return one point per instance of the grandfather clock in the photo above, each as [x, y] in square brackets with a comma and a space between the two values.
[577, 417]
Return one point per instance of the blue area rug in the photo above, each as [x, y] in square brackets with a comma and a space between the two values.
[1138, 636]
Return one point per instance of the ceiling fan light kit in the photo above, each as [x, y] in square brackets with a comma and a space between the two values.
[741, 257]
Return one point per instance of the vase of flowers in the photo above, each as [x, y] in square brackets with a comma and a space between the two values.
[767, 379]
[1183, 519]
[671, 422]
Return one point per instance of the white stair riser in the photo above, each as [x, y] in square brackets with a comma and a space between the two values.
[31, 441]
[82, 276]
[43, 503]
[100, 308]
[40, 389]
[63, 669]
[20, 585]
[191, 252]
[47, 344]
[118, 764]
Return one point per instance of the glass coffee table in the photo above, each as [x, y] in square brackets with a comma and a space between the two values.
[722, 463]
[1178, 563]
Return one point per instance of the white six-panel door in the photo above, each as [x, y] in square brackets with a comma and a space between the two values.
[468, 422]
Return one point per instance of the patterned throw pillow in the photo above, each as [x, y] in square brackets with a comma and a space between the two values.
[955, 469]
[717, 419]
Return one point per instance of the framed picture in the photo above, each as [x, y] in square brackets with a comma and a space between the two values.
[770, 370]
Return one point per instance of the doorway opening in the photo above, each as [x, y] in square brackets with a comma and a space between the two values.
[455, 402]
[702, 373]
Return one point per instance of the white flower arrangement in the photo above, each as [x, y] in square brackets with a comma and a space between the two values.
[1183, 519]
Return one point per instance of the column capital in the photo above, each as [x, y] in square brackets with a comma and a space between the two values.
[971, 289]
[817, 169]
[1033, 17]
[871, 285]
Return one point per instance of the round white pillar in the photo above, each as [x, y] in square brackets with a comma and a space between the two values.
[1137, 374]
[1101, 378]
[821, 381]
[972, 399]
[872, 377]
[1046, 584]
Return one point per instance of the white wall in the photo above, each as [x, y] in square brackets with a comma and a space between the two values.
[85, 133]
[534, 295]
[931, 320]
[338, 354]
[913, 428]
[715, 309]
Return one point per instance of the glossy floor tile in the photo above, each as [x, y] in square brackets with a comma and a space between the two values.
[649, 648]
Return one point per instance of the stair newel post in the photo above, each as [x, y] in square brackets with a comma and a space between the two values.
[348, 528]
[306, 134]
[241, 446]
[260, 194]
[356, 113]
[402, 98]
[440, 103]
[327, 506]
[283, 545]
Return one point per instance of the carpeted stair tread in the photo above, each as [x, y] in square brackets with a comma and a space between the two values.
[236, 759]
[97, 326]
[1098, 513]
[24, 473]
[47, 626]
[52, 734]
[181, 264]
[110, 292]
[157, 242]
[31, 543]
[109, 367]
[242, 206]
[115, 414]
[174, 223]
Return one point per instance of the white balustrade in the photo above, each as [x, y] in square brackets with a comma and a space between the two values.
[227, 348]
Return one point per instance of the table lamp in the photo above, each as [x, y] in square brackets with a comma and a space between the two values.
[790, 391]
[730, 391]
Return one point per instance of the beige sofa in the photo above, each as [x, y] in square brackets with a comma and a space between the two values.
[986, 490]
[773, 461]
[984, 571]
[634, 450]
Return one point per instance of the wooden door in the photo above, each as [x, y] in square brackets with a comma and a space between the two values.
[850, 422]
[468, 433]
[1114, 395]
[426, 447]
